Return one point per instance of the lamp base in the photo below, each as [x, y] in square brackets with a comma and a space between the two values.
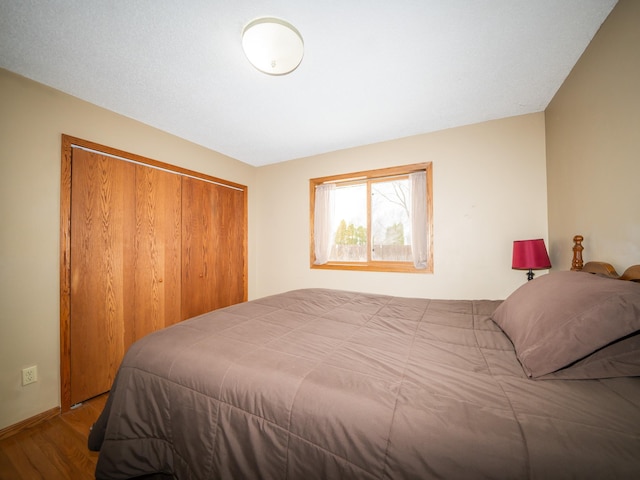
[530, 275]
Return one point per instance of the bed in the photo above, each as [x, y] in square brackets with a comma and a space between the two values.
[320, 383]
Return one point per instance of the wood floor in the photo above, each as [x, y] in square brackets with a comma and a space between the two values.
[55, 449]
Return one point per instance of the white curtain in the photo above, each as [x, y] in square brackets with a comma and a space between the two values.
[322, 222]
[419, 234]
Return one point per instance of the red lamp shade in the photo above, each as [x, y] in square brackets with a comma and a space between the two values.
[530, 255]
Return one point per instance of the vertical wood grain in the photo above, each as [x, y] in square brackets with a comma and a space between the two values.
[65, 274]
[121, 245]
[102, 222]
[196, 248]
[213, 247]
[229, 235]
[157, 264]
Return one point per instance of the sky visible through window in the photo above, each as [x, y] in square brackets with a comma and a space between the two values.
[372, 217]
[350, 205]
[390, 207]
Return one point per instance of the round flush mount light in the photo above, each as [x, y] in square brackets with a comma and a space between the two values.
[272, 45]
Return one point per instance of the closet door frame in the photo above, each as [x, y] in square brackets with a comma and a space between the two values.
[68, 142]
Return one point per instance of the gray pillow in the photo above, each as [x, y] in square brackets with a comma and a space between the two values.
[561, 318]
[620, 359]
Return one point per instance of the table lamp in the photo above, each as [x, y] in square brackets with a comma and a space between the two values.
[530, 255]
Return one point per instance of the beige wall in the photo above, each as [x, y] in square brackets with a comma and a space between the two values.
[489, 188]
[593, 147]
[32, 120]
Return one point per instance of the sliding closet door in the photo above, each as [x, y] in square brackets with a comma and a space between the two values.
[213, 250]
[230, 220]
[157, 263]
[102, 298]
[122, 271]
[125, 263]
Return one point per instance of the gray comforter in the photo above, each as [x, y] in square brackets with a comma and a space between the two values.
[331, 384]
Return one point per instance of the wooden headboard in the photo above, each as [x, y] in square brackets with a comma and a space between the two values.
[602, 268]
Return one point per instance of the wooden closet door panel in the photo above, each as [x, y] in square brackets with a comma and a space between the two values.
[213, 269]
[102, 219]
[157, 250]
[230, 233]
[198, 281]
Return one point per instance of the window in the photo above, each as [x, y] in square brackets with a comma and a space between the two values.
[378, 220]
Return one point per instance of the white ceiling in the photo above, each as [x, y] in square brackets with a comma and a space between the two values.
[373, 70]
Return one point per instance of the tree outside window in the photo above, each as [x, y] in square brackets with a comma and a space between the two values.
[371, 220]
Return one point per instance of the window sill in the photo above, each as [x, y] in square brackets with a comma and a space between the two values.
[373, 267]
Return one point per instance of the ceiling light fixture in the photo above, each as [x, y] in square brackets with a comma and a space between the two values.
[272, 45]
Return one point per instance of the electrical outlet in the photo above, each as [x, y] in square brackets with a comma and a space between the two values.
[29, 375]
